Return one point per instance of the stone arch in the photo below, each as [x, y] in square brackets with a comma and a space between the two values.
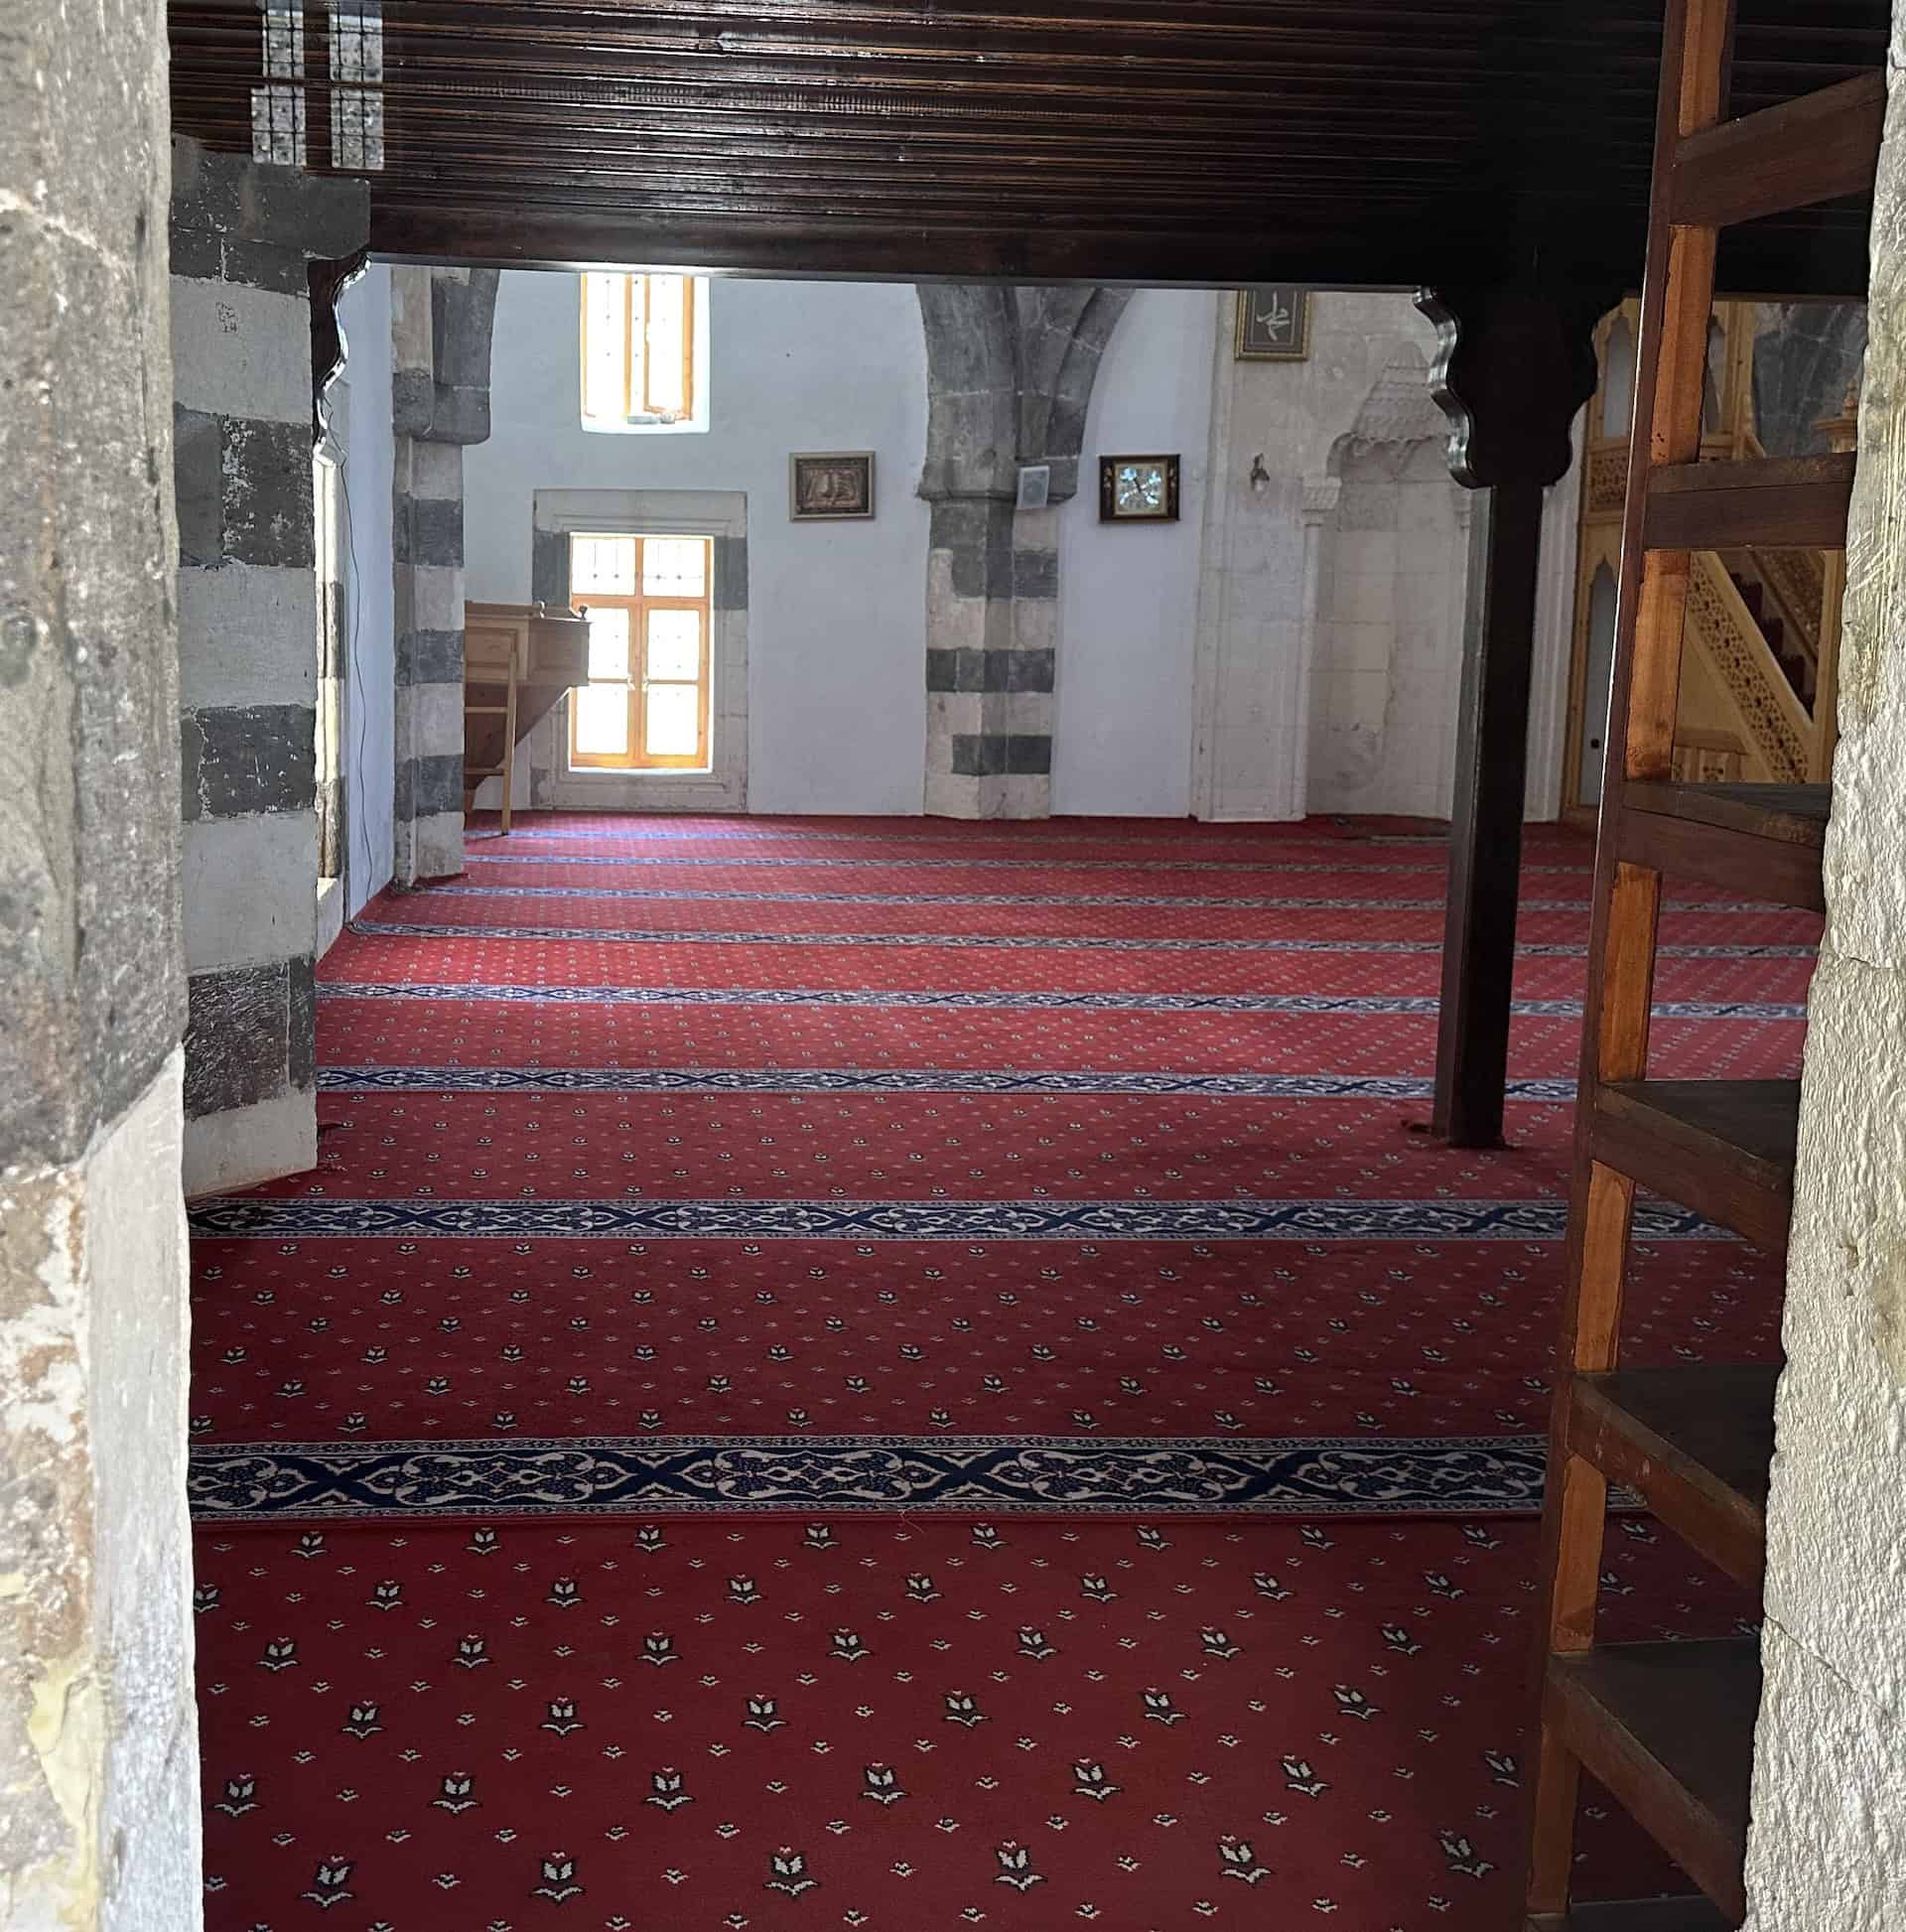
[1010, 375]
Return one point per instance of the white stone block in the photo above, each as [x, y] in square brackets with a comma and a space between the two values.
[437, 471]
[1021, 795]
[239, 1149]
[240, 351]
[435, 596]
[948, 796]
[1020, 711]
[247, 636]
[250, 889]
[438, 845]
[430, 719]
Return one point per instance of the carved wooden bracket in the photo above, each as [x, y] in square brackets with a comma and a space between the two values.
[1514, 364]
[328, 281]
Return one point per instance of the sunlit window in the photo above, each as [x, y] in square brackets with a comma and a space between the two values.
[638, 351]
[353, 76]
[646, 707]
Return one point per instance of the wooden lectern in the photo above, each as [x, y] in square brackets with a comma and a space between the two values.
[518, 660]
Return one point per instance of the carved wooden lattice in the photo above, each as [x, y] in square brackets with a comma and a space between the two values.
[1607, 479]
[1749, 675]
[1799, 579]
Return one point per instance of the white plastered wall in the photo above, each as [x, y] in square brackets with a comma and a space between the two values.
[1128, 593]
[837, 627]
[360, 416]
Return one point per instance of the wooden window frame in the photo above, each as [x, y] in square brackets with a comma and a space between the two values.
[640, 412]
[639, 606]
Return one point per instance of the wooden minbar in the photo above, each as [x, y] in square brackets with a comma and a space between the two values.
[518, 660]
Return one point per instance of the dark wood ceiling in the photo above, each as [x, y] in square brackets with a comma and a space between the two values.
[1335, 141]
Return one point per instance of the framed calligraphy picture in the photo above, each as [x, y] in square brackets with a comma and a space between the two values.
[1273, 323]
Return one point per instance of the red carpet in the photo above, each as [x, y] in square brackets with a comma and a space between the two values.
[686, 1183]
[695, 1727]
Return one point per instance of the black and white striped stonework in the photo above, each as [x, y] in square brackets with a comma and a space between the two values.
[250, 661]
[441, 323]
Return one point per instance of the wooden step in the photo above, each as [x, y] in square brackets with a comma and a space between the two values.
[1814, 149]
[1799, 503]
[1724, 1148]
[485, 711]
[1669, 1728]
[1761, 841]
[1695, 1914]
[1696, 1443]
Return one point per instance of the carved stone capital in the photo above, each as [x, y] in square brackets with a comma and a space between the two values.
[1321, 495]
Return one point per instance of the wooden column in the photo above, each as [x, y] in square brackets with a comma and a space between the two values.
[1515, 365]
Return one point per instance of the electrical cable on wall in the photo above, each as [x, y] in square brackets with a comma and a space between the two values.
[352, 670]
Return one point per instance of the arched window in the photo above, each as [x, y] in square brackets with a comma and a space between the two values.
[1618, 379]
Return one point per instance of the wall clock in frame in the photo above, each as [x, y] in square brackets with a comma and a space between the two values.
[1138, 490]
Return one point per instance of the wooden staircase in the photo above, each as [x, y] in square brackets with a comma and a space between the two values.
[1668, 1728]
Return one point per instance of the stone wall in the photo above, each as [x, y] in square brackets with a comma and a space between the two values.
[1827, 1846]
[99, 1823]
[243, 237]
[439, 330]
[1806, 354]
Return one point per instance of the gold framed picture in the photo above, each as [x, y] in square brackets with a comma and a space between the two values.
[1138, 490]
[1273, 323]
[824, 486]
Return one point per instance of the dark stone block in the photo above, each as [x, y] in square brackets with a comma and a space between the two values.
[300, 986]
[957, 523]
[333, 840]
[1028, 752]
[198, 255]
[1035, 573]
[549, 569]
[412, 402]
[438, 784]
[197, 472]
[427, 785]
[320, 217]
[459, 415]
[428, 530]
[990, 754]
[462, 311]
[237, 1038]
[259, 265]
[977, 754]
[333, 644]
[998, 550]
[955, 670]
[1018, 670]
[267, 493]
[247, 759]
[977, 534]
[731, 573]
[430, 657]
